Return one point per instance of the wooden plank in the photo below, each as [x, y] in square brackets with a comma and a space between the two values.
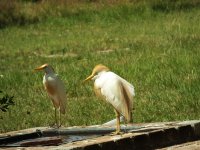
[148, 136]
[47, 141]
[20, 137]
[99, 130]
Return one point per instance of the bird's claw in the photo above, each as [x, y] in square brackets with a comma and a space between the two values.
[56, 126]
[116, 133]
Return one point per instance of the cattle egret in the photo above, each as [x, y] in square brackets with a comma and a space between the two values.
[55, 89]
[115, 90]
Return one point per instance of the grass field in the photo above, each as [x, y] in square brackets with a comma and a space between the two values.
[154, 47]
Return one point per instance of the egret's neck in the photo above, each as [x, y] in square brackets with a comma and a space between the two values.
[49, 70]
[102, 72]
[98, 75]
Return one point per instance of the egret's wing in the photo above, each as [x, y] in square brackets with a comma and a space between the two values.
[128, 85]
[130, 90]
[56, 91]
[62, 95]
[119, 93]
[127, 98]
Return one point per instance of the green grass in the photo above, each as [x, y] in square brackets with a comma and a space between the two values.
[158, 50]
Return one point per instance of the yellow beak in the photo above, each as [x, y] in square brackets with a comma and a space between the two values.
[39, 68]
[89, 78]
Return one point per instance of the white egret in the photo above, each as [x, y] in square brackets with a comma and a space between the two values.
[55, 89]
[115, 90]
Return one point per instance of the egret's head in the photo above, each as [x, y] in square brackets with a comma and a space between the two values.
[97, 69]
[47, 68]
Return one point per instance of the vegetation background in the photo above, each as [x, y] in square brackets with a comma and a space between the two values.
[154, 44]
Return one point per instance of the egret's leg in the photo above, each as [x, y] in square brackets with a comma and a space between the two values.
[56, 117]
[59, 119]
[117, 123]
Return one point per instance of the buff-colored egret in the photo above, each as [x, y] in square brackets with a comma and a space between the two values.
[115, 90]
[55, 89]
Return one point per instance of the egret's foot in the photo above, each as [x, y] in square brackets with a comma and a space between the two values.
[117, 133]
[62, 126]
[54, 125]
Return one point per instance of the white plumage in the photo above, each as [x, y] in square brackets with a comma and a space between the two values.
[55, 89]
[115, 90]
[112, 87]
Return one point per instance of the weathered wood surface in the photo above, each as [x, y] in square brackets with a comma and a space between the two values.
[141, 136]
[194, 145]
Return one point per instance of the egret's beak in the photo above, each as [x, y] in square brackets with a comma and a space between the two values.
[88, 78]
[39, 68]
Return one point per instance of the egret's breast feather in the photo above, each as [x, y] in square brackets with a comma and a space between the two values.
[50, 89]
